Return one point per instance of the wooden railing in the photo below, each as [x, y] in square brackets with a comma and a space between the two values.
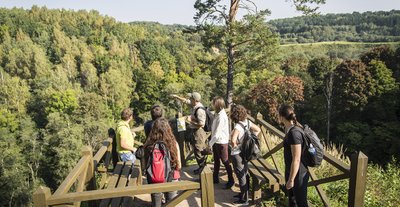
[83, 176]
[84, 172]
[356, 172]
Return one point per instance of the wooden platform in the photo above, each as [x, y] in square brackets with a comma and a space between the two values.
[124, 175]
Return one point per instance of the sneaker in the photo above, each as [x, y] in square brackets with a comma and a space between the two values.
[237, 196]
[241, 202]
[198, 170]
[229, 185]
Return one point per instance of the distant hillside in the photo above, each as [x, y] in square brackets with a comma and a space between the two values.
[381, 26]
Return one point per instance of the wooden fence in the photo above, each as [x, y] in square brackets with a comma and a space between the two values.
[356, 172]
[83, 174]
[82, 177]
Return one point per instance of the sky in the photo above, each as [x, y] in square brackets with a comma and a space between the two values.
[182, 11]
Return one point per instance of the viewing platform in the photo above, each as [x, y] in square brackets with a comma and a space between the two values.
[96, 180]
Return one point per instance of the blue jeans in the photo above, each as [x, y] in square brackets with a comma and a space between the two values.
[128, 156]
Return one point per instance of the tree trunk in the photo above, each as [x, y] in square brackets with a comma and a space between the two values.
[229, 78]
[328, 96]
[230, 52]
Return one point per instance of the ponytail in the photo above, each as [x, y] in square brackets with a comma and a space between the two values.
[292, 117]
[287, 112]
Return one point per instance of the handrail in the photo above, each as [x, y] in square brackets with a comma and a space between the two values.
[355, 172]
[103, 149]
[83, 173]
[120, 192]
[329, 158]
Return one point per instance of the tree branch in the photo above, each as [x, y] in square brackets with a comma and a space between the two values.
[243, 42]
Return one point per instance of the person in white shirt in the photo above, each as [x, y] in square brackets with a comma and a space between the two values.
[219, 141]
[239, 116]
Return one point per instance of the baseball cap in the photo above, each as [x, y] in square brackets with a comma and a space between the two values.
[194, 95]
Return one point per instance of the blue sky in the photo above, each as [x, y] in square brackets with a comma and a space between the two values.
[182, 11]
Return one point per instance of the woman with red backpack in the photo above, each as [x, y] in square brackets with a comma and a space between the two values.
[162, 157]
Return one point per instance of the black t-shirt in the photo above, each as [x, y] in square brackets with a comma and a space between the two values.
[293, 137]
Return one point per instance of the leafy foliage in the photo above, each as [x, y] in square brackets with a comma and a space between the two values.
[380, 26]
[65, 76]
[267, 97]
[353, 85]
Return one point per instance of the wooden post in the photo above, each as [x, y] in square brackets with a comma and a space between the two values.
[87, 151]
[259, 117]
[207, 188]
[358, 177]
[89, 178]
[256, 190]
[40, 196]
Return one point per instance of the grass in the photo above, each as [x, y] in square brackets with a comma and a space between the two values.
[344, 50]
[383, 184]
[340, 43]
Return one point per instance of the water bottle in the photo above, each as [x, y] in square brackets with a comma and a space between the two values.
[311, 149]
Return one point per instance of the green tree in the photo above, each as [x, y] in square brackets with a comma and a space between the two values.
[383, 80]
[237, 38]
[117, 86]
[14, 93]
[95, 118]
[15, 185]
[23, 58]
[62, 139]
[64, 102]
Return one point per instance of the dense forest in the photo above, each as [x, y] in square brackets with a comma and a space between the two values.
[65, 76]
[381, 26]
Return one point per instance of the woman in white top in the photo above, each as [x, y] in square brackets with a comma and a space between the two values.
[219, 141]
[239, 117]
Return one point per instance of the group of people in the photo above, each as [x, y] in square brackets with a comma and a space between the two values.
[225, 145]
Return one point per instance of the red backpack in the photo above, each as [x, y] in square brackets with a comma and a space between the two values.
[159, 164]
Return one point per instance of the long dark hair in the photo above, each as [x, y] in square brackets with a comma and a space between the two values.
[161, 131]
[287, 112]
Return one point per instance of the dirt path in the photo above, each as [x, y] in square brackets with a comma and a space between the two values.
[222, 196]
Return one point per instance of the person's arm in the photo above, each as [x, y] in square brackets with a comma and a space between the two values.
[234, 138]
[178, 152]
[255, 129]
[184, 100]
[201, 118]
[215, 131]
[294, 167]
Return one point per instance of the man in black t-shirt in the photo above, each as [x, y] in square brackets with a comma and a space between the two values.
[156, 112]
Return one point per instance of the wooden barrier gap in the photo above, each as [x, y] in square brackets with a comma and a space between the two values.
[74, 174]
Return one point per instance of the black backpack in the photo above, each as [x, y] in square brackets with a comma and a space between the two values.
[209, 118]
[250, 149]
[313, 152]
[158, 166]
